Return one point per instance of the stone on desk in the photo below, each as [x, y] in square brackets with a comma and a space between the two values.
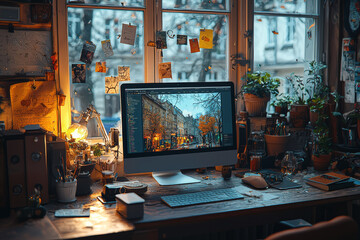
[130, 205]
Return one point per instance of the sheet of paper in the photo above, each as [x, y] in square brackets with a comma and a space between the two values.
[194, 45]
[123, 73]
[349, 92]
[161, 40]
[78, 73]
[348, 59]
[165, 70]
[128, 34]
[34, 104]
[181, 40]
[111, 85]
[100, 67]
[206, 38]
[87, 53]
[255, 193]
[107, 48]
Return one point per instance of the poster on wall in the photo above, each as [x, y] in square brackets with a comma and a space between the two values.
[111, 85]
[161, 40]
[87, 53]
[194, 45]
[107, 48]
[34, 103]
[100, 67]
[128, 34]
[349, 92]
[348, 59]
[165, 70]
[206, 38]
[123, 73]
[78, 73]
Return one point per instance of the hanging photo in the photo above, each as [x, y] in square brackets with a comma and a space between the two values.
[181, 40]
[87, 53]
[128, 34]
[206, 38]
[348, 59]
[194, 45]
[165, 70]
[123, 73]
[111, 85]
[78, 73]
[161, 40]
[100, 67]
[107, 48]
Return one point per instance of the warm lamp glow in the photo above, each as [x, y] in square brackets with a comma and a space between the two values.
[77, 132]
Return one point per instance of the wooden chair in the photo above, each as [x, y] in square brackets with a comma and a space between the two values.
[339, 228]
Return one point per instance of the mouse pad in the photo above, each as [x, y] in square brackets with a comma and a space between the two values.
[285, 184]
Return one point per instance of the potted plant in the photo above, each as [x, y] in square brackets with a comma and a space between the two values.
[257, 91]
[317, 105]
[282, 103]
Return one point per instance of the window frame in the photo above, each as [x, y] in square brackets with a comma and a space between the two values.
[152, 20]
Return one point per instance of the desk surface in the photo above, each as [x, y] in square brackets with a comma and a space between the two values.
[104, 221]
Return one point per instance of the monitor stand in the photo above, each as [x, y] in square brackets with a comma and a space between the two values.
[173, 178]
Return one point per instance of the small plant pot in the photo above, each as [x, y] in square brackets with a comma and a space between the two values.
[281, 110]
[299, 115]
[321, 162]
[255, 106]
[314, 116]
[66, 191]
[276, 144]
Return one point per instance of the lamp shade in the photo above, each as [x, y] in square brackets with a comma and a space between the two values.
[77, 132]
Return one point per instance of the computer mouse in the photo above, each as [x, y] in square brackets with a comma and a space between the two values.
[255, 182]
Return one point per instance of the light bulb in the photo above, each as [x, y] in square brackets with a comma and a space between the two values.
[77, 132]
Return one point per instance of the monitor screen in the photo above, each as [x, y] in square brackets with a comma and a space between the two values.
[169, 126]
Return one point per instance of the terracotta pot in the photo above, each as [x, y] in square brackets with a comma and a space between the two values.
[255, 106]
[281, 110]
[321, 162]
[276, 144]
[313, 116]
[299, 115]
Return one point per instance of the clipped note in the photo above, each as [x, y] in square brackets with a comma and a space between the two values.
[87, 53]
[194, 45]
[165, 70]
[181, 39]
[78, 73]
[161, 40]
[107, 48]
[128, 34]
[100, 67]
[111, 85]
[206, 38]
[123, 73]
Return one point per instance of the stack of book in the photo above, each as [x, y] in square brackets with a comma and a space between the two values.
[330, 181]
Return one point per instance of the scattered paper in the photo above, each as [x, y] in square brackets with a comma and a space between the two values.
[111, 85]
[107, 48]
[78, 73]
[206, 38]
[194, 45]
[181, 39]
[161, 40]
[87, 53]
[34, 103]
[123, 73]
[165, 70]
[100, 67]
[128, 34]
[349, 92]
[348, 58]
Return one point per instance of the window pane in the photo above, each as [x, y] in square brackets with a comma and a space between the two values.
[201, 66]
[96, 25]
[283, 45]
[287, 6]
[121, 3]
[218, 5]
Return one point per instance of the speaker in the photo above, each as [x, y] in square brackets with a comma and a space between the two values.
[15, 158]
[242, 132]
[4, 201]
[36, 163]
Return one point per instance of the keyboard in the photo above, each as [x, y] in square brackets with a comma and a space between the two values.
[217, 195]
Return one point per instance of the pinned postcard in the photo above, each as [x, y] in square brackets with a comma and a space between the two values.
[194, 45]
[349, 92]
[111, 85]
[78, 73]
[128, 34]
[87, 53]
[206, 38]
[181, 39]
[348, 59]
[123, 73]
[107, 48]
[161, 40]
[100, 67]
[165, 70]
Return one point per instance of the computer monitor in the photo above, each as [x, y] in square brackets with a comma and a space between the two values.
[167, 127]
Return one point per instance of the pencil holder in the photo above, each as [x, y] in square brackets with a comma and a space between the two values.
[66, 191]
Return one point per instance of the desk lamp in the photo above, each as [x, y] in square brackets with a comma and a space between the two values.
[79, 131]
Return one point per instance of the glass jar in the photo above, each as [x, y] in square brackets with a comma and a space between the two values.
[288, 163]
[256, 144]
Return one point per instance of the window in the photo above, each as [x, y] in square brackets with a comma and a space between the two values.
[293, 29]
[97, 20]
